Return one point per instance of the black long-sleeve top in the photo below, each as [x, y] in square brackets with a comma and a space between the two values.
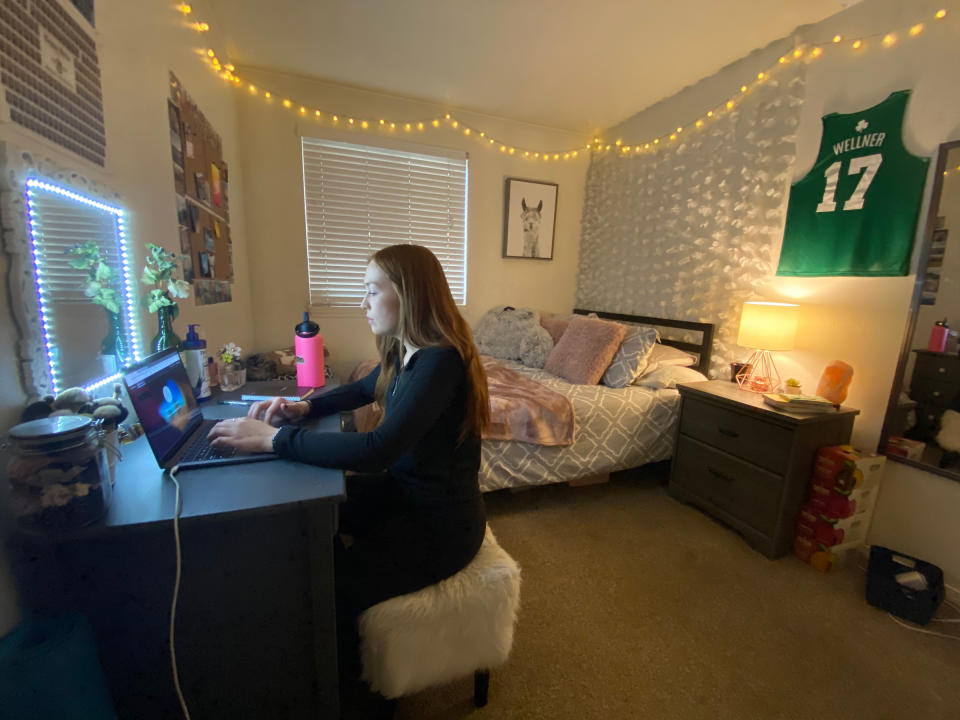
[418, 440]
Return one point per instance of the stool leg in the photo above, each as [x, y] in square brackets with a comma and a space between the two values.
[481, 684]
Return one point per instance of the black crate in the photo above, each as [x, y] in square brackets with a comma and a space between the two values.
[887, 593]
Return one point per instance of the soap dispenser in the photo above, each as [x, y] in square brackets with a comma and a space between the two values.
[193, 352]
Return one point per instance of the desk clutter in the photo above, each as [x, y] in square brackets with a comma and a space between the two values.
[832, 524]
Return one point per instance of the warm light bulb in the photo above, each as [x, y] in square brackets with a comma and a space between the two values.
[466, 131]
[184, 8]
[393, 126]
[941, 14]
[798, 52]
[503, 148]
[729, 104]
[837, 38]
[679, 129]
[699, 123]
[761, 76]
[743, 88]
[490, 140]
[656, 141]
[336, 118]
[673, 136]
[573, 154]
[566, 156]
[625, 149]
[436, 123]
[647, 146]
[617, 143]
[536, 154]
[511, 151]
[253, 89]
[382, 121]
[709, 113]
[303, 110]
[364, 124]
[211, 53]
[916, 29]
[419, 126]
[407, 127]
[230, 67]
[782, 59]
[287, 103]
[455, 124]
[556, 156]
[607, 147]
[317, 113]
[447, 116]
[526, 153]
[267, 95]
[596, 140]
[816, 52]
[889, 39]
[857, 44]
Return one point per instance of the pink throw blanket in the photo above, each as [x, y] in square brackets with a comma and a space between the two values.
[520, 409]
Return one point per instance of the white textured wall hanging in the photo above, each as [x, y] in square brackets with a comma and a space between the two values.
[689, 231]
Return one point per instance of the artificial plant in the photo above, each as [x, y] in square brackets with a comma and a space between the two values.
[160, 270]
[101, 279]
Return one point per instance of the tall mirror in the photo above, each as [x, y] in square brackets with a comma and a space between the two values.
[72, 284]
[922, 425]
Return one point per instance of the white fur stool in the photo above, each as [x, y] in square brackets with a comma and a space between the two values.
[461, 625]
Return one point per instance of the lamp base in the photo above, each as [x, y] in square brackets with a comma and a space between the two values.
[759, 374]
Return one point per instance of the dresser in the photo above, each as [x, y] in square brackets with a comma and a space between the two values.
[746, 463]
[934, 386]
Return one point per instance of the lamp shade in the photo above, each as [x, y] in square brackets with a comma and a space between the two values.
[768, 325]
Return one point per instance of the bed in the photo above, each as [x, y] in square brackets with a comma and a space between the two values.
[614, 428]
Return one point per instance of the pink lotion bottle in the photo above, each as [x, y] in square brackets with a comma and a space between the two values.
[308, 346]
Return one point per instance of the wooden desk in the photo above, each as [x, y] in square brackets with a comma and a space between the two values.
[255, 634]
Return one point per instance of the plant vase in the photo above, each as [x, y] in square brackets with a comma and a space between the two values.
[113, 348]
[233, 375]
[165, 337]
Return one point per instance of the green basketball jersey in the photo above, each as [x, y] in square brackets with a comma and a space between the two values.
[855, 212]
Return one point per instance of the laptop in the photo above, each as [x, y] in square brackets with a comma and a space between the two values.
[163, 400]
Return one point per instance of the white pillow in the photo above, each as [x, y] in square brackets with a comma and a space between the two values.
[664, 355]
[631, 358]
[668, 376]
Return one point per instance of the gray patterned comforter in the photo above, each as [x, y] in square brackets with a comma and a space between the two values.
[615, 429]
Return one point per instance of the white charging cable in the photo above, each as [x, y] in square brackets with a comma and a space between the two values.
[176, 593]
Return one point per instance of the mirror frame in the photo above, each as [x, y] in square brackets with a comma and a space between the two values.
[905, 344]
[16, 168]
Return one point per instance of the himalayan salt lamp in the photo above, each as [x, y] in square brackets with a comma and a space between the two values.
[835, 381]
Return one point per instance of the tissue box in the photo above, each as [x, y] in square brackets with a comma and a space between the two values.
[845, 469]
[910, 449]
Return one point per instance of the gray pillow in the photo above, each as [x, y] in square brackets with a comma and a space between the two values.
[631, 357]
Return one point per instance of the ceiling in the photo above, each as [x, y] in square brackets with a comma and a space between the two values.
[571, 64]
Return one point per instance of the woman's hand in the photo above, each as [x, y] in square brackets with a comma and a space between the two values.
[243, 434]
[278, 411]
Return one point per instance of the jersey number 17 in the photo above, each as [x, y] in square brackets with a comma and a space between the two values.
[867, 164]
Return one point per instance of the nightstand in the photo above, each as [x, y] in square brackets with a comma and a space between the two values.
[747, 464]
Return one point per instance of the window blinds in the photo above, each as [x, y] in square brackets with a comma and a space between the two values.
[358, 199]
[59, 223]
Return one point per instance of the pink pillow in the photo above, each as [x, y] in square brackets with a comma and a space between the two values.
[585, 350]
[556, 325]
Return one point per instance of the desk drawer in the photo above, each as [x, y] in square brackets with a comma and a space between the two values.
[748, 493]
[935, 366]
[756, 441]
[940, 391]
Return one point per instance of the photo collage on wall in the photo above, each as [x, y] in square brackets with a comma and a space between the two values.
[203, 212]
[931, 278]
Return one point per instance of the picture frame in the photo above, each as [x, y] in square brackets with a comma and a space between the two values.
[529, 218]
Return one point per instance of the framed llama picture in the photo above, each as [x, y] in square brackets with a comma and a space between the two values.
[529, 219]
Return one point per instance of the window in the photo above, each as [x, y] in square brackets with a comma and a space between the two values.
[358, 199]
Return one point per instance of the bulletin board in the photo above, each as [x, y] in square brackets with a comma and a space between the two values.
[201, 181]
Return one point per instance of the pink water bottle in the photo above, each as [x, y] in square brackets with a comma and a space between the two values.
[938, 336]
[308, 346]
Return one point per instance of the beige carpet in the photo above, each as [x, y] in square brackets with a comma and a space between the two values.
[636, 606]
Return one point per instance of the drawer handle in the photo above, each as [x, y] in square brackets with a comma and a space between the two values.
[717, 473]
[728, 433]
[936, 393]
[942, 369]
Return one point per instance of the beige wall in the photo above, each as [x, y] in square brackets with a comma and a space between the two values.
[858, 320]
[139, 43]
[275, 217]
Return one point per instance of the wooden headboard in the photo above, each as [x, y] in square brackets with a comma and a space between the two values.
[701, 349]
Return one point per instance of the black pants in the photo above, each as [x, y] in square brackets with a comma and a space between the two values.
[392, 547]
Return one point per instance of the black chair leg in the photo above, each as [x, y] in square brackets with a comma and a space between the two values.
[481, 684]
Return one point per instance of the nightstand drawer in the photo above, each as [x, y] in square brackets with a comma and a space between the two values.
[750, 438]
[936, 365]
[748, 493]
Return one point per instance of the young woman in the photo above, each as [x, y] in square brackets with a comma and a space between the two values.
[414, 514]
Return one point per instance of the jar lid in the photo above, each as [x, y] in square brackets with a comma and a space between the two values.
[61, 427]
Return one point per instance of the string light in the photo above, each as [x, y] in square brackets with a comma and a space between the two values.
[812, 52]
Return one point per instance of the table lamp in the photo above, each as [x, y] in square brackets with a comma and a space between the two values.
[766, 327]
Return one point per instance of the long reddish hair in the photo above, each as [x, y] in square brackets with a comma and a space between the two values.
[428, 317]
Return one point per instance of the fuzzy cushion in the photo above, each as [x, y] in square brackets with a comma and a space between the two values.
[949, 436]
[631, 357]
[668, 376]
[444, 631]
[513, 334]
[665, 355]
[556, 325]
[585, 350]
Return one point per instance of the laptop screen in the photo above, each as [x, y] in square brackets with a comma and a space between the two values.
[163, 399]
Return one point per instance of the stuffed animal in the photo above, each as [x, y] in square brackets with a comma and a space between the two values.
[512, 333]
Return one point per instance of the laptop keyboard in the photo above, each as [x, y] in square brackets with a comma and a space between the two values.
[201, 449]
